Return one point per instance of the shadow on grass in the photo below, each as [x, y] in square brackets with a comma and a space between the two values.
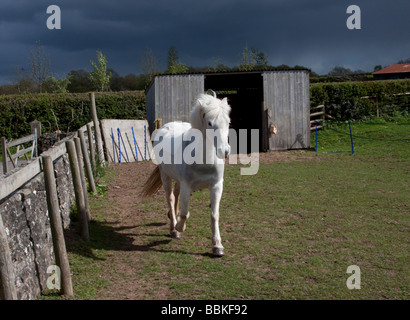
[105, 236]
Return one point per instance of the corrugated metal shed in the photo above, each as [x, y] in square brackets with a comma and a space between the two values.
[258, 99]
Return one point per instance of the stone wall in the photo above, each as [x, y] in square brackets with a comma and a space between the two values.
[26, 220]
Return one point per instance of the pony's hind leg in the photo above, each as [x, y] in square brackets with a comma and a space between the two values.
[184, 213]
[167, 183]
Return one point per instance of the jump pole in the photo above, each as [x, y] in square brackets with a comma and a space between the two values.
[129, 143]
[125, 147]
[145, 141]
[135, 142]
[119, 145]
[113, 145]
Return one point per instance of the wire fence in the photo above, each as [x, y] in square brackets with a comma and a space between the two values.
[348, 134]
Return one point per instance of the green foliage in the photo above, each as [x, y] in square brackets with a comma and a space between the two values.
[252, 59]
[72, 110]
[174, 65]
[362, 100]
[99, 77]
[58, 85]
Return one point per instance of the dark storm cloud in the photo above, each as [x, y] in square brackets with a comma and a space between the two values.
[310, 33]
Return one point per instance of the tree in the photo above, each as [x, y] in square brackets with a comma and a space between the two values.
[219, 66]
[404, 61]
[58, 85]
[260, 58]
[340, 71]
[174, 65]
[99, 77]
[40, 66]
[79, 81]
[252, 59]
[24, 81]
[377, 68]
[149, 66]
[248, 61]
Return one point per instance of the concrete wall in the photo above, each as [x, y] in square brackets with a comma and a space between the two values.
[26, 220]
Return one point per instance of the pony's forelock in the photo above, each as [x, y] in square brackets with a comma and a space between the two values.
[211, 107]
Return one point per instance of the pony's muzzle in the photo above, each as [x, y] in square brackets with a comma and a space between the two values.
[223, 152]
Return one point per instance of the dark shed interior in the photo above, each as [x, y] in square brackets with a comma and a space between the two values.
[245, 96]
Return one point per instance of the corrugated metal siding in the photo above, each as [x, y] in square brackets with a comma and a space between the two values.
[286, 95]
[175, 96]
[150, 105]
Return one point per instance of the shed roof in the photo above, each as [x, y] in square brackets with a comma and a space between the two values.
[237, 71]
[229, 72]
[394, 68]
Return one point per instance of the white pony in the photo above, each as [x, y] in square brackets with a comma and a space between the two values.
[210, 124]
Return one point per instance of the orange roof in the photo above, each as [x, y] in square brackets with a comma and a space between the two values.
[395, 68]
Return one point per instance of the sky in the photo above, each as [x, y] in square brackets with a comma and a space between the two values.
[311, 33]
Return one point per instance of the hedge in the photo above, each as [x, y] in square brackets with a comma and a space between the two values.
[66, 112]
[361, 100]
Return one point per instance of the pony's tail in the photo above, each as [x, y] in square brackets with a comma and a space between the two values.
[153, 183]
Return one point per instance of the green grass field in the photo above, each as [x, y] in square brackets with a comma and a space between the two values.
[290, 231]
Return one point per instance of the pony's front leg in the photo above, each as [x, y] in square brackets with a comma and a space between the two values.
[216, 194]
[171, 200]
[185, 193]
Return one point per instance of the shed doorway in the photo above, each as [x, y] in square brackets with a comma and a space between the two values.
[245, 96]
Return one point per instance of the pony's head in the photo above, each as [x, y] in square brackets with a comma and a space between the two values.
[209, 112]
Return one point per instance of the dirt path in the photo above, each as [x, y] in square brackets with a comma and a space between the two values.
[129, 232]
[129, 243]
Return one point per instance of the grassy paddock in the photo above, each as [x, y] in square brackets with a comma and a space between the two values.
[290, 231]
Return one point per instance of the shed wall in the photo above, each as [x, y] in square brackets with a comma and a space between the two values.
[172, 97]
[286, 99]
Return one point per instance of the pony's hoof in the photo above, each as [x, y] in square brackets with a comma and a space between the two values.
[180, 227]
[218, 252]
[175, 234]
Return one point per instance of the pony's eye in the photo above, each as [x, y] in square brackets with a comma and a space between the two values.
[210, 124]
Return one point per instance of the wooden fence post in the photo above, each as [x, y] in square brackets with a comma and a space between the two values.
[4, 154]
[78, 189]
[56, 227]
[35, 125]
[97, 129]
[82, 176]
[91, 144]
[87, 163]
[7, 276]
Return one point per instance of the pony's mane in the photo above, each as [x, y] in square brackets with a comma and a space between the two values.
[210, 107]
